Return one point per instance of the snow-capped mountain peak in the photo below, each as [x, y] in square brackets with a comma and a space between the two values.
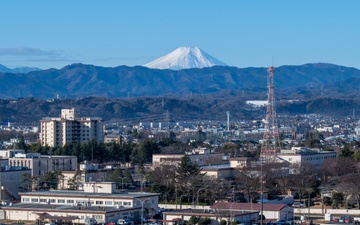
[185, 58]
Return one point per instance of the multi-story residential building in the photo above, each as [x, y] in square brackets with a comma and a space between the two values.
[42, 164]
[70, 128]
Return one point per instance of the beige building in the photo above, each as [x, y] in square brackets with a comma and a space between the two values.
[223, 171]
[42, 164]
[240, 162]
[301, 155]
[98, 201]
[70, 128]
[201, 156]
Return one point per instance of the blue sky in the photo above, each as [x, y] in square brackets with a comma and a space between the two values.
[52, 34]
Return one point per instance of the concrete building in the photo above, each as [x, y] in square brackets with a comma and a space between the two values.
[98, 200]
[113, 138]
[42, 164]
[10, 181]
[173, 217]
[9, 153]
[222, 171]
[272, 212]
[300, 155]
[240, 162]
[70, 128]
[201, 156]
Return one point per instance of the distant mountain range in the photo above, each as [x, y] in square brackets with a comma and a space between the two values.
[79, 80]
[4, 69]
[185, 58]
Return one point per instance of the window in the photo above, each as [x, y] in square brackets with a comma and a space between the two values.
[117, 203]
[127, 203]
[98, 217]
[99, 202]
[70, 201]
[34, 200]
[61, 201]
[52, 200]
[42, 200]
[108, 202]
[26, 200]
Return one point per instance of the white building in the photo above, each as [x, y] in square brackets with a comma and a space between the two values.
[300, 155]
[70, 128]
[201, 156]
[273, 212]
[42, 164]
[98, 201]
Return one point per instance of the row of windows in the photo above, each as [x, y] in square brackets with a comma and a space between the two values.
[70, 201]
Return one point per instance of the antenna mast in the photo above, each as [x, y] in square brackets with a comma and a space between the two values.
[271, 140]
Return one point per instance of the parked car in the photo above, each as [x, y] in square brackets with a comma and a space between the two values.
[125, 222]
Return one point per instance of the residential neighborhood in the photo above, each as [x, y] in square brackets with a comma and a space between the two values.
[143, 174]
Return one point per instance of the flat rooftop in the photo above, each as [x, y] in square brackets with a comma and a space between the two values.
[89, 194]
[50, 207]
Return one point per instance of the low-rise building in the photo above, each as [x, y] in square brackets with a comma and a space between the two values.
[314, 157]
[173, 217]
[240, 162]
[222, 171]
[271, 212]
[99, 200]
[42, 164]
[201, 156]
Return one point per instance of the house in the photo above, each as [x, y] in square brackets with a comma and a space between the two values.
[273, 212]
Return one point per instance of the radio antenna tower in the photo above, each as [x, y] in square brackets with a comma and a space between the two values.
[271, 140]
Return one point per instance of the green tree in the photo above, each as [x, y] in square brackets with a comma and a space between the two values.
[22, 145]
[26, 182]
[50, 180]
[338, 199]
[75, 182]
[194, 220]
[205, 221]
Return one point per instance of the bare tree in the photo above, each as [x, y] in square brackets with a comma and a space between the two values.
[303, 177]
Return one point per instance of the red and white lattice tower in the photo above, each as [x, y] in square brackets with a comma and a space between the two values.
[271, 140]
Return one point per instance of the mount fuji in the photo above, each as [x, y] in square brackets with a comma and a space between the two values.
[185, 58]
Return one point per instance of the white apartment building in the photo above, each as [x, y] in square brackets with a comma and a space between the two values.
[70, 128]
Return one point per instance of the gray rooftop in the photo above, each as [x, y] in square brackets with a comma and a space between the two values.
[46, 207]
[82, 194]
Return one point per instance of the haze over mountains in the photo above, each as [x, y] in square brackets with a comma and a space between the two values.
[79, 80]
[205, 76]
[4, 69]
